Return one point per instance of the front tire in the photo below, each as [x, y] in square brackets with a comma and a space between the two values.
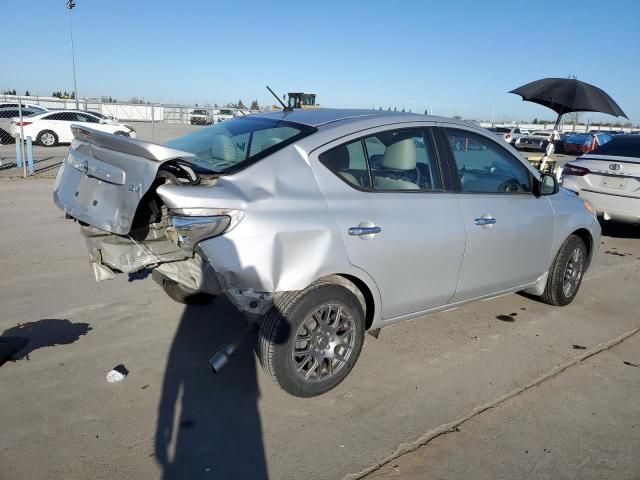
[47, 138]
[565, 276]
[310, 340]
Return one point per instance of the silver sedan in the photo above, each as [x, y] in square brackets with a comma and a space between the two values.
[324, 224]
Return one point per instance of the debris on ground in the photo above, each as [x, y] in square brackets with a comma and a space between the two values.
[118, 374]
[579, 347]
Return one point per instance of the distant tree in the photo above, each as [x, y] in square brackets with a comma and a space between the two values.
[403, 110]
[254, 105]
[410, 111]
[240, 104]
[110, 100]
[426, 111]
[73, 95]
[215, 105]
[26, 94]
[457, 117]
[388, 109]
[535, 121]
[13, 92]
[395, 109]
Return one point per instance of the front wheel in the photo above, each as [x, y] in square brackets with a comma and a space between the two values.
[310, 340]
[565, 276]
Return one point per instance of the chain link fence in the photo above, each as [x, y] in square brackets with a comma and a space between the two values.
[35, 132]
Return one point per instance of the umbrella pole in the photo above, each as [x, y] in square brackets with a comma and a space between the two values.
[550, 147]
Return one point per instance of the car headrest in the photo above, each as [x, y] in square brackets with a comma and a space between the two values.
[400, 155]
[223, 148]
[338, 159]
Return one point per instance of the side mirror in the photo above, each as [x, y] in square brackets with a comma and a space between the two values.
[547, 185]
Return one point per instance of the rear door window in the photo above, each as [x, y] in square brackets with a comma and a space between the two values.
[403, 160]
[348, 162]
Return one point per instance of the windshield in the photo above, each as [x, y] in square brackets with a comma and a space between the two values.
[234, 144]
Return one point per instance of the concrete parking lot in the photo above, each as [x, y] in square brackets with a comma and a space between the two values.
[498, 389]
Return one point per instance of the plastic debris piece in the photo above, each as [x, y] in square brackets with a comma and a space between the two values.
[118, 374]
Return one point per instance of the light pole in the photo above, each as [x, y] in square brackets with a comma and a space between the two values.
[70, 5]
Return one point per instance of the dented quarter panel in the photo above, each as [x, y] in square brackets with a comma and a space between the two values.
[288, 237]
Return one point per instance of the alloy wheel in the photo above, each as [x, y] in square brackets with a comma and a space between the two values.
[324, 343]
[47, 139]
[573, 272]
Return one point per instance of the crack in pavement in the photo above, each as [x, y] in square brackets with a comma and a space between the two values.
[453, 426]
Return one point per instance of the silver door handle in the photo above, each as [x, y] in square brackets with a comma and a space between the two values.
[364, 230]
[484, 221]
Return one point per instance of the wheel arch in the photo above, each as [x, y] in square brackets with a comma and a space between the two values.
[586, 237]
[360, 289]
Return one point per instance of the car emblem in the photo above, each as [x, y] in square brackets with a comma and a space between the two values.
[84, 167]
[615, 166]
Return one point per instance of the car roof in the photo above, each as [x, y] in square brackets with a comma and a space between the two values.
[316, 117]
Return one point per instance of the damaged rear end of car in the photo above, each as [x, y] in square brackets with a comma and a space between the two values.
[110, 185]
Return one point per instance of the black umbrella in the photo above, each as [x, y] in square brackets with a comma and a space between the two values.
[565, 95]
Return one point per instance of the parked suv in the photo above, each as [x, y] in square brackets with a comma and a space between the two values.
[323, 224]
[201, 117]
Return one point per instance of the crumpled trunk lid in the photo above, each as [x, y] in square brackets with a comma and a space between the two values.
[104, 177]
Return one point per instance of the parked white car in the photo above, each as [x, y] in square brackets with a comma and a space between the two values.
[537, 140]
[7, 114]
[223, 114]
[510, 134]
[51, 128]
[609, 177]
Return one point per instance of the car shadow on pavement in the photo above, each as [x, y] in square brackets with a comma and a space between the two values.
[619, 230]
[208, 424]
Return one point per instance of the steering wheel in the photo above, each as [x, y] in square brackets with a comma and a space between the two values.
[509, 186]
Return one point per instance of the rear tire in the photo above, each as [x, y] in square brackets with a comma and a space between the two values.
[311, 339]
[565, 276]
[182, 294]
[47, 138]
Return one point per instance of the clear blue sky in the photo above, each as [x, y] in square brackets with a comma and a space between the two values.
[453, 57]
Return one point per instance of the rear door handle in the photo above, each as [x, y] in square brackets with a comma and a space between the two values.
[484, 221]
[357, 231]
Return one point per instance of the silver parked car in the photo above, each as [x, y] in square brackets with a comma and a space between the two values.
[609, 177]
[327, 223]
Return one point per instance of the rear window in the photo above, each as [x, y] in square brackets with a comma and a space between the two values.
[235, 144]
[620, 147]
[199, 112]
[579, 138]
[500, 130]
